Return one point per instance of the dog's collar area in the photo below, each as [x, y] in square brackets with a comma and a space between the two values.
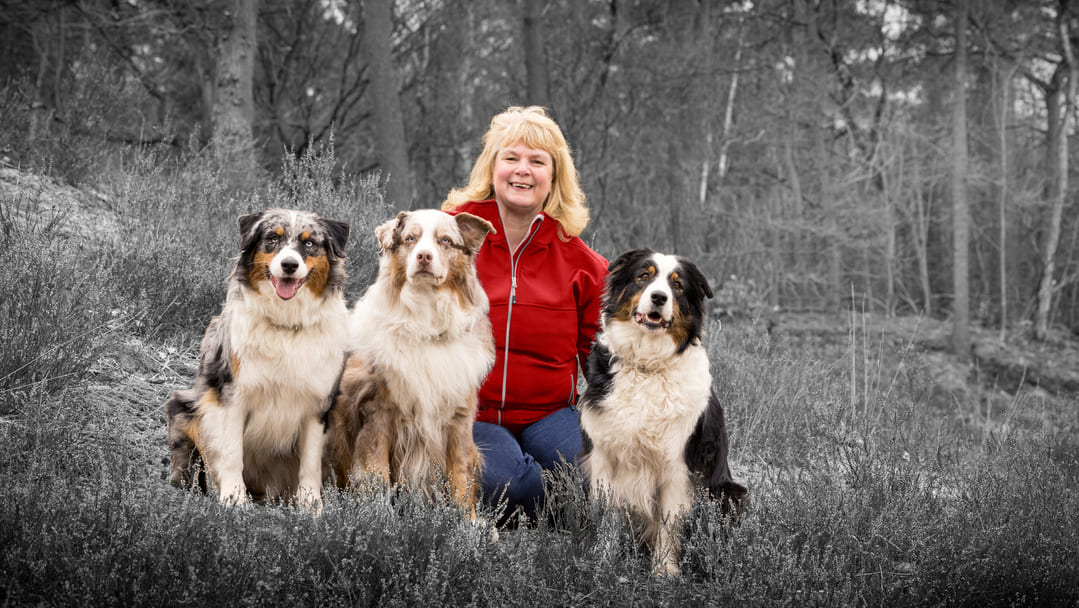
[294, 328]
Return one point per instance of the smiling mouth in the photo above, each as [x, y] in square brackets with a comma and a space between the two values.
[521, 186]
[652, 321]
[286, 288]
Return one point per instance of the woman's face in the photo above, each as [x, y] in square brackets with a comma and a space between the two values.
[522, 178]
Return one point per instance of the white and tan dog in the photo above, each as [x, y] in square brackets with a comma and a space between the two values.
[269, 366]
[421, 346]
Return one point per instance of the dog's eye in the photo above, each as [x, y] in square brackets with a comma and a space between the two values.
[273, 239]
[445, 241]
[677, 285]
[309, 244]
[410, 239]
[643, 277]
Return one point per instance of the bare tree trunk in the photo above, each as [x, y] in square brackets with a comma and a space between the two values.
[1005, 185]
[960, 205]
[728, 111]
[234, 104]
[674, 202]
[1047, 287]
[817, 72]
[390, 127]
[890, 197]
[535, 61]
[921, 241]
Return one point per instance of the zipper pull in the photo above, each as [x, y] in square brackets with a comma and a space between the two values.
[513, 289]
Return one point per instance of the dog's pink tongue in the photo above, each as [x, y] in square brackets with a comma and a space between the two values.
[286, 288]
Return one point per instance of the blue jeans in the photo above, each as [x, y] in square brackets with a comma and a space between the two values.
[512, 466]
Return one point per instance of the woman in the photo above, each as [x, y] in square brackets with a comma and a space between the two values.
[544, 285]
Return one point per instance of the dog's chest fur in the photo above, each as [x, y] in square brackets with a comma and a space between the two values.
[650, 412]
[283, 374]
[430, 357]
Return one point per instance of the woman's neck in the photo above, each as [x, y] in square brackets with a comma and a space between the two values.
[516, 225]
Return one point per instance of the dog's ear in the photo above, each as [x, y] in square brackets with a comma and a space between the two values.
[249, 229]
[627, 259]
[696, 276]
[474, 230]
[338, 236]
[387, 231]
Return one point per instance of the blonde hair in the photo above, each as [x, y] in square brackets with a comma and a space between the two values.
[532, 127]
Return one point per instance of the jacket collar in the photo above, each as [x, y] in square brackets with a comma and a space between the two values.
[488, 210]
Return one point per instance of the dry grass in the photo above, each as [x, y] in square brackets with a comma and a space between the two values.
[870, 486]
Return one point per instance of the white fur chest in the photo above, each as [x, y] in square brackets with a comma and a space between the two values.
[284, 374]
[432, 356]
[651, 410]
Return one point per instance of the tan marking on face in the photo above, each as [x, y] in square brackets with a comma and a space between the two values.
[458, 266]
[679, 328]
[279, 231]
[318, 274]
[398, 269]
[625, 309]
[260, 267]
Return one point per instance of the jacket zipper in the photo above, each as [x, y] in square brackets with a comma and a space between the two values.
[515, 256]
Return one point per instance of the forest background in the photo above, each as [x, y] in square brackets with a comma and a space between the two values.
[878, 189]
[824, 154]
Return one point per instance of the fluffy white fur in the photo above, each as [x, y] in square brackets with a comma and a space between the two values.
[291, 359]
[640, 433]
[430, 353]
[269, 365]
[649, 388]
[421, 346]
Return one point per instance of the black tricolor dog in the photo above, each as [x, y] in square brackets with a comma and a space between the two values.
[650, 419]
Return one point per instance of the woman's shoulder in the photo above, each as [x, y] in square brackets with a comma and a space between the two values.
[480, 208]
[585, 255]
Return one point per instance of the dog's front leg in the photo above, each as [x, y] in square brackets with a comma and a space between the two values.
[223, 437]
[463, 462]
[599, 471]
[312, 441]
[371, 448]
[675, 500]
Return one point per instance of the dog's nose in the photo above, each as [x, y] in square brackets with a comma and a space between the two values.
[424, 257]
[659, 298]
[289, 266]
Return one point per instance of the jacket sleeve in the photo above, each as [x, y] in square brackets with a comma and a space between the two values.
[590, 295]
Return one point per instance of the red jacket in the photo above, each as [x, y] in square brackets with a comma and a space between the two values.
[552, 316]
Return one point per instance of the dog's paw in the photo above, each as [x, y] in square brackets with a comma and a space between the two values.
[310, 501]
[234, 495]
[666, 568]
[482, 523]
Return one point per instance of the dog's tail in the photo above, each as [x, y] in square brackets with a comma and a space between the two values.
[706, 454]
